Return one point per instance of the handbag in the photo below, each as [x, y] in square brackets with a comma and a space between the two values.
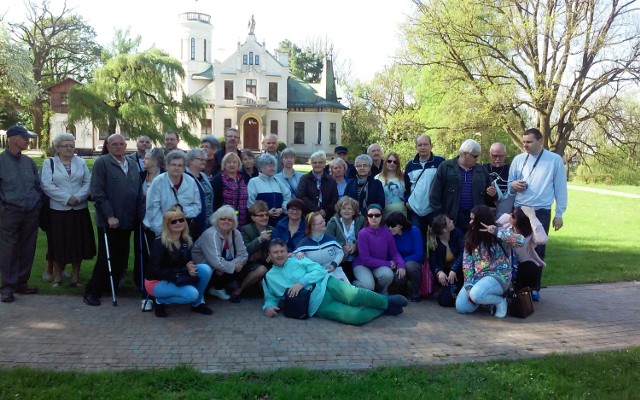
[520, 304]
[448, 295]
[295, 307]
[426, 280]
[44, 220]
[183, 278]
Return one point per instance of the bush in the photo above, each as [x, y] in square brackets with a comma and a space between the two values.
[612, 167]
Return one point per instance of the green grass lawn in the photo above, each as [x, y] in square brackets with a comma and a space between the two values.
[617, 188]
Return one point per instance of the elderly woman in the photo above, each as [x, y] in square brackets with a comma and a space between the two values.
[291, 228]
[257, 235]
[365, 188]
[392, 181]
[317, 189]
[210, 144]
[65, 179]
[445, 258]
[288, 175]
[344, 226]
[196, 159]
[172, 188]
[248, 169]
[378, 259]
[321, 247]
[411, 247]
[268, 188]
[172, 276]
[222, 247]
[486, 264]
[338, 169]
[229, 188]
[330, 297]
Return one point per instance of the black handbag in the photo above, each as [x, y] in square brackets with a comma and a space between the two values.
[520, 303]
[183, 278]
[296, 307]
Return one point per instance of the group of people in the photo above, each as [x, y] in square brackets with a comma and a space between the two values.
[220, 220]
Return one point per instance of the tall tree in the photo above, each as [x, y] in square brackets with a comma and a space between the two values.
[547, 63]
[62, 45]
[137, 92]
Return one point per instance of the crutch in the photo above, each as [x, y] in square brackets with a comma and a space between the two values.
[146, 300]
[113, 289]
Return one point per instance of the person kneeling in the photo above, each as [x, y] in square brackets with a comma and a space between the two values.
[172, 276]
[330, 298]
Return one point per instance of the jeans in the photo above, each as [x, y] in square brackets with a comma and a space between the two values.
[167, 292]
[486, 291]
[544, 216]
[366, 278]
[350, 305]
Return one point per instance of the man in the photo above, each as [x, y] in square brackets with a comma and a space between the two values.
[375, 152]
[270, 146]
[116, 191]
[538, 177]
[143, 144]
[343, 152]
[499, 174]
[231, 143]
[20, 201]
[461, 184]
[171, 140]
[418, 175]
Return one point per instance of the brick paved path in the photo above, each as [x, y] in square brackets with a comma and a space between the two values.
[61, 333]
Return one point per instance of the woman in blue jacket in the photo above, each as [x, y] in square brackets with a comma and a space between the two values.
[411, 247]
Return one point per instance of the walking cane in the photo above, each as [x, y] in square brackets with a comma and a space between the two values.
[146, 300]
[113, 290]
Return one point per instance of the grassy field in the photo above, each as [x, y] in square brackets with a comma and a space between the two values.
[617, 188]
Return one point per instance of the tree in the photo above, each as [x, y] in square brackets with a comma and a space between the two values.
[138, 93]
[122, 43]
[555, 64]
[62, 45]
[305, 64]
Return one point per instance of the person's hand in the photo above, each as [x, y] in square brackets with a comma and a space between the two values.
[271, 311]
[300, 255]
[491, 190]
[113, 222]
[393, 264]
[72, 201]
[238, 267]
[192, 268]
[264, 236]
[488, 228]
[330, 268]
[557, 223]
[452, 277]
[294, 290]
[401, 272]
[219, 273]
[442, 278]
[519, 186]
[348, 248]
[529, 212]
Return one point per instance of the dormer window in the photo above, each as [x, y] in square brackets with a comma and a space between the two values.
[251, 58]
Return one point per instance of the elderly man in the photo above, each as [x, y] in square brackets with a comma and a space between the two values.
[461, 184]
[499, 174]
[343, 153]
[117, 194]
[270, 146]
[143, 144]
[20, 200]
[231, 143]
[171, 140]
[375, 152]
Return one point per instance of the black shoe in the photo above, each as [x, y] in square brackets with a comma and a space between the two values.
[27, 290]
[91, 300]
[202, 309]
[397, 300]
[416, 299]
[393, 310]
[234, 298]
[160, 310]
[8, 297]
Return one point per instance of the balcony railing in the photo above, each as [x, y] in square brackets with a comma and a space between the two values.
[250, 102]
[196, 16]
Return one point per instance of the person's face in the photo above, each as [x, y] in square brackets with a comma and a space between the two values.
[288, 161]
[450, 225]
[294, 213]
[469, 159]
[19, 142]
[337, 171]
[374, 217]
[143, 144]
[149, 162]
[268, 169]
[270, 144]
[496, 156]
[248, 162]
[512, 218]
[232, 138]
[278, 254]
[197, 164]
[231, 166]
[342, 155]
[177, 224]
[471, 218]
[318, 165]
[261, 219]
[117, 146]
[210, 150]
[423, 146]
[170, 141]
[531, 145]
[319, 225]
[65, 148]
[347, 212]
[392, 164]
[175, 168]
[396, 230]
[363, 169]
[375, 152]
[225, 224]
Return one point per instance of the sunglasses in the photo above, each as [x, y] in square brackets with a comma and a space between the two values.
[474, 155]
[392, 161]
[176, 221]
[374, 215]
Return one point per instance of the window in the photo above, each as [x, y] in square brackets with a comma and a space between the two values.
[227, 124]
[205, 49]
[252, 87]
[207, 126]
[64, 101]
[333, 137]
[228, 90]
[319, 132]
[273, 91]
[274, 126]
[257, 59]
[244, 59]
[193, 48]
[298, 132]
[251, 58]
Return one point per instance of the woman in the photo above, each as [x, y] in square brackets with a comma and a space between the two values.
[523, 220]
[317, 188]
[321, 247]
[445, 258]
[268, 188]
[172, 276]
[344, 226]
[248, 170]
[330, 298]
[392, 181]
[365, 188]
[169, 189]
[291, 228]
[222, 247]
[257, 235]
[411, 247]
[210, 144]
[338, 171]
[196, 160]
[288, 175]
[70, 239]
[485, 263]
[378, 258]
[229, 188]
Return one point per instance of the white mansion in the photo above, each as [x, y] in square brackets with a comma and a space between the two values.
[251, 90]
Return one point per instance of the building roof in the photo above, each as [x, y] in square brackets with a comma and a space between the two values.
[303, 94]
[206, 74]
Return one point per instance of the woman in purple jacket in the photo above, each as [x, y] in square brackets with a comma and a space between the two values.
[378, 258]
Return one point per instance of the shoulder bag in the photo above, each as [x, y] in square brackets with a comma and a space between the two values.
[295, 307]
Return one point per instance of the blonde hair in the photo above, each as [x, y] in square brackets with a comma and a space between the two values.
[383, 173]
[172, 214]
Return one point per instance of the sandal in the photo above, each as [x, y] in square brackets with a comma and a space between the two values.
[56, 284]
[76, 284]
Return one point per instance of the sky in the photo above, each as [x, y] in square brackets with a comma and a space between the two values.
[365, 33]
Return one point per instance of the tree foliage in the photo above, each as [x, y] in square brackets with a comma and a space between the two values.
[304, 63]
[137, 92]
[554, 64]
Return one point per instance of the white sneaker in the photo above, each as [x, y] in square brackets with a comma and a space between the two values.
[146, 305]
[219, 293]
[501, 309]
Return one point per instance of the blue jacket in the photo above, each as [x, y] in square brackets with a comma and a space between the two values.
[410, 245]
[281, 231]
[373, 192]
[437, 257]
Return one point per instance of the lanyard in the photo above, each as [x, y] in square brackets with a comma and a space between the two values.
[534, 165]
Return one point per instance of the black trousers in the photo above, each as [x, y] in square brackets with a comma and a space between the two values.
[529, 275]
[119, 253]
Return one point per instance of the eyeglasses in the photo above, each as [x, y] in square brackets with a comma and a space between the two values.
[261, 215]
[225, 219]
[296, 209]
[177, 165]
[497, 155]
[362, 166]
[176, 221]
[374, 215]
[392, 161]
[66, 146]
[474, 155]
